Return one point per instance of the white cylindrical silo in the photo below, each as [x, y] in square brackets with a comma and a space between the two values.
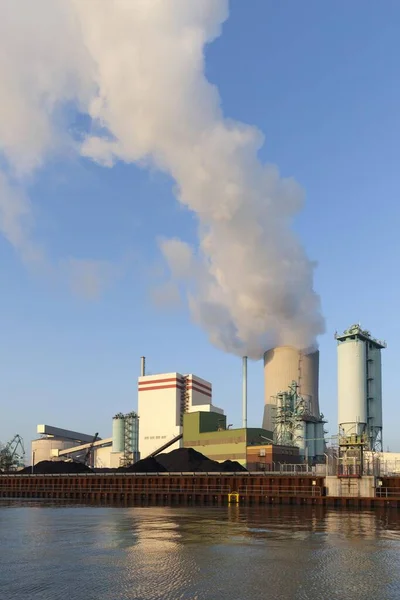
[301, 438]
[118, 433]
[282, 366]
[310, 429]
[352, 386]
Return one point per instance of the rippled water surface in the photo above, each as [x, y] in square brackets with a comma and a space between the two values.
[87, 553]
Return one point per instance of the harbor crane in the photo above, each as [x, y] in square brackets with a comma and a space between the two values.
[12, 455]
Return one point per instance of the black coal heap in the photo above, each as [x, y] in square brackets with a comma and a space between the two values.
[185, 460]
[189, 460]
[48, 467]
[146, 465]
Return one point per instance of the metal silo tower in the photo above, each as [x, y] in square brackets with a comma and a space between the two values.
[360, 386]
[118, 433]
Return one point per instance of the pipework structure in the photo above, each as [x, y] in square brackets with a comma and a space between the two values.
[282, 366]
[295, 424]
[360, 386]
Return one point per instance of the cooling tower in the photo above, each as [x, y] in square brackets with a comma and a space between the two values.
[282, 366]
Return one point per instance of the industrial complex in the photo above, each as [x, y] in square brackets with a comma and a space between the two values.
[176, 410]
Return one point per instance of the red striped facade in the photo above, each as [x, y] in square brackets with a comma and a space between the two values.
[175, 383]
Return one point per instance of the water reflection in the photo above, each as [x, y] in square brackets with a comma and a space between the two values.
[298, 553]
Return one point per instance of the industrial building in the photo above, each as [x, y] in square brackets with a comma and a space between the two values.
[55, 440]
[272, 458]
[176, 410]
[62, 444]
[163, 400]
[360, 386]
[207, 433]
[381, 463]
[185, 416]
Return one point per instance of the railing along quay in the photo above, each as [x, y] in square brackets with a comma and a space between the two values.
[281, 491]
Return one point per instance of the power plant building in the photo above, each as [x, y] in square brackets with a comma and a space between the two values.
[54, 440]
[251, 447]
[57, 443]
[163, 399]
[360, 386]
[176, 410]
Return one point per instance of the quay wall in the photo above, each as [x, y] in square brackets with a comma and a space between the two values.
[203, 489]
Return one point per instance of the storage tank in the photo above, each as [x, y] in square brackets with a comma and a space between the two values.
[310, 429]
[43, 448]
[301, 438]
[360, 384]
[320, 441]
[118, 433]
[352, 386]
[285, 364]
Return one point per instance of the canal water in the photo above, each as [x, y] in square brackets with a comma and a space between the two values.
[51, 552]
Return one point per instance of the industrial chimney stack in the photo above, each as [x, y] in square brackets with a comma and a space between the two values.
[244, 398]
[142, 366]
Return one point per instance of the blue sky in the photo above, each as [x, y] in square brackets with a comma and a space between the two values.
[321, 81]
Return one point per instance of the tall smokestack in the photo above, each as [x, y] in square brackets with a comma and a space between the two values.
[142, 366]
[244, 392]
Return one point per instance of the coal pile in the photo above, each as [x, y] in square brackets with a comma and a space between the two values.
[189, 460]
[50, 467]
[231, 466]
[146, 465]
[105, 470]
[182, 460]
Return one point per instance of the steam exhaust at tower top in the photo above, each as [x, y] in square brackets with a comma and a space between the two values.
[138, 71]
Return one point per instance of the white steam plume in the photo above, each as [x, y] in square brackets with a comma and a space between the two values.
[137, 67]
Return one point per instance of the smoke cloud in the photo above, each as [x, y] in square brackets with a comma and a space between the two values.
[137, 68]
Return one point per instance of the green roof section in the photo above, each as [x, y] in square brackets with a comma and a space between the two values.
[206, 432]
